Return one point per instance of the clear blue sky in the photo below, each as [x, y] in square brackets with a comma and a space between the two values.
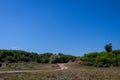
[67, 26]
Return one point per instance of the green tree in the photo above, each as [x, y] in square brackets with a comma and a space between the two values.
[108, 47]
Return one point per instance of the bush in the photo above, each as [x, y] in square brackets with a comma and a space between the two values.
[10, 59]
[54, 59]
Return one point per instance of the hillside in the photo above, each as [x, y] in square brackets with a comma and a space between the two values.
[22, 65]
[101, 59]
[23, 56]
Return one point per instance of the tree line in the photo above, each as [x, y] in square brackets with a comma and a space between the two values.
[24, 56]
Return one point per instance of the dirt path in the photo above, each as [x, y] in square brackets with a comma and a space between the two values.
[23, 71]
[62, 67]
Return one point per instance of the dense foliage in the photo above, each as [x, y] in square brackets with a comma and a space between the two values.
[54, 59]
[23, 56]
[61, 58]
[102, 59]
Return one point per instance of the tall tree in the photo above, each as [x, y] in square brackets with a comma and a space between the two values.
[108, 47]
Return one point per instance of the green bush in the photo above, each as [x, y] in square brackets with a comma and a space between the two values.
[54, 59]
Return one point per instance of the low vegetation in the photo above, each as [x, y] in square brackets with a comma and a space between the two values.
[27, 66]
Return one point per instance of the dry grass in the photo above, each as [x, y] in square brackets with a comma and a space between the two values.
[27, 66]
[75, 72]
[85, 73]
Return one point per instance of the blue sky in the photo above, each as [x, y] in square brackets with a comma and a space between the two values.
[67, 26]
